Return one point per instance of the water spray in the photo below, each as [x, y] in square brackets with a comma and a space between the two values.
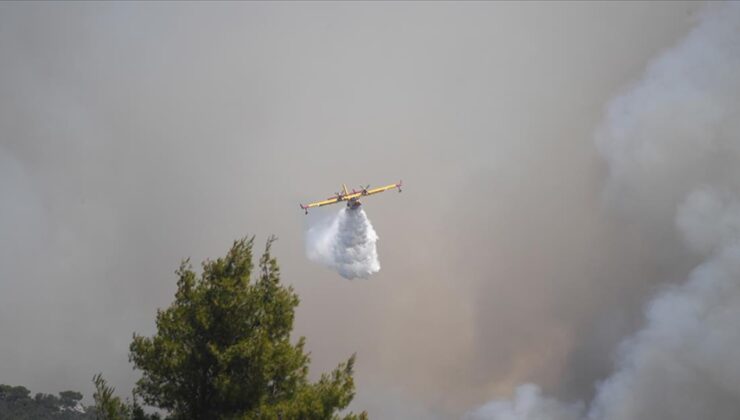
[346, 243]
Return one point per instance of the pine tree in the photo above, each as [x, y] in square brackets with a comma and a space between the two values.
[222, 349]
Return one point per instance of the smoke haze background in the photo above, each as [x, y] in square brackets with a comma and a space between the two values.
[345, 242]
[134, 135]
[672, 142]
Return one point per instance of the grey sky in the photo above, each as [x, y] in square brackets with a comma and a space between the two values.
[133, 135]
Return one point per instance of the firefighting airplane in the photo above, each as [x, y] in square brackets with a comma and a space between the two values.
[351, 197]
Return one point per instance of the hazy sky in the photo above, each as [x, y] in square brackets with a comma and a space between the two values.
[133, 135]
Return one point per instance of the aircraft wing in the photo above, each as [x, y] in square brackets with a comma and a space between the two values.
[382, 189]
[320, 203]
[350, 196]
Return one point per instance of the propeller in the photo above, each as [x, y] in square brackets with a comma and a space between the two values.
[364, 189]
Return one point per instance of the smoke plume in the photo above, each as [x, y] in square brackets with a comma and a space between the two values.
[672, 143]
[345, 243]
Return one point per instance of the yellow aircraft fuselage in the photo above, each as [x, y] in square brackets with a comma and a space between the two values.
[351, 197]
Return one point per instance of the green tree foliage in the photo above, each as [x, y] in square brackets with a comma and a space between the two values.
[16, 404]
[110, 407]
[107, 406]
[69, 399]
[222, 349]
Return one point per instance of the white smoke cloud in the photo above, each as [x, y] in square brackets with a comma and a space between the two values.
[683, 364]
[528, 404]
[345, 243]
[672, 143]
[709, 219]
